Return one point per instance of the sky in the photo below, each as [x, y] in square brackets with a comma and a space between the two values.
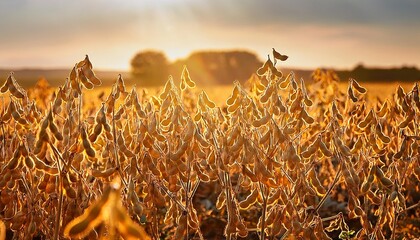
[322, 33]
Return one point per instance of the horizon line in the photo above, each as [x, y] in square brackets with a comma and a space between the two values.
[303, 68]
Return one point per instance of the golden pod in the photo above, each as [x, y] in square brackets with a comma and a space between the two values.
[173, 185]
[22, 121]
[294, 83]
[368, 119]
[234, 96]
[200, 139]
[267, 65]
[308, 102]
[88, 73]
[88, 149]
[15, 114]
[119, 113]
[407, 120]
[274, 197]
[385, 139]
[73, 75]
[269, 219]
[283, 84]
[349, 178]
[7, 83]
[262, 121]
[138, 209]
[192, 218]
[351, 94]
[93, 216]
[393, 196]
[242, 229]
[16, 91]
[100, 115]
[40, 165]
[189, 131]
[51, 186]
[324, 149]
[265, 137]
[279, 56]
[13, 163]
[343, 148]
[57, 104]
[69, 191]
[165, 105]
[314, 181]
[166, 88]
[96, 131]
[232, 108]
[185, 75]
[103, 174]
[267, 93]
[305, 116]
[375, 147]
[386, 182]
[29, 162]
[249, 174]
[86, 83]
[237, 145]
[312, 148]
[335, 112]
[207, 101]
[182, 84]
[378, 172]
[296, 104]
[201, 174]
[55, 131]
[359, 211]
[373, 198]
[249, 200]
[365, 186]
[44, 181]
[402, 149]
[221, 200]
[121, 84]
[357, 146]
[400, 92]
[357, 86]
[275, 73]
[384, 110]
[8, 114]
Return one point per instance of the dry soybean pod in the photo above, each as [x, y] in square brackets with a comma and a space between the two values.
[384, 110]
[385, 139]
[234, 96]
[249, 200]
[92, 217]
[368, 119]
[351, 93]
[357, 86]
[207, 101]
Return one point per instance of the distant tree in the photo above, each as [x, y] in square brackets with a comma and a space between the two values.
[218, 67]
[150, 67]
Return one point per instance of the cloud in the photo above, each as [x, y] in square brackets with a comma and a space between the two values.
[41, 29]
[42, 23]
[332, 12]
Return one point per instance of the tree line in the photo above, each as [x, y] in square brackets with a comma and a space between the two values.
[206, 67]
[151, 68]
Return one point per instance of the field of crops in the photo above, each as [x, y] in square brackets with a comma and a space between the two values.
[274, 160]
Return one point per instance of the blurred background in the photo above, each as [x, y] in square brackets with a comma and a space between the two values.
[219, 41]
